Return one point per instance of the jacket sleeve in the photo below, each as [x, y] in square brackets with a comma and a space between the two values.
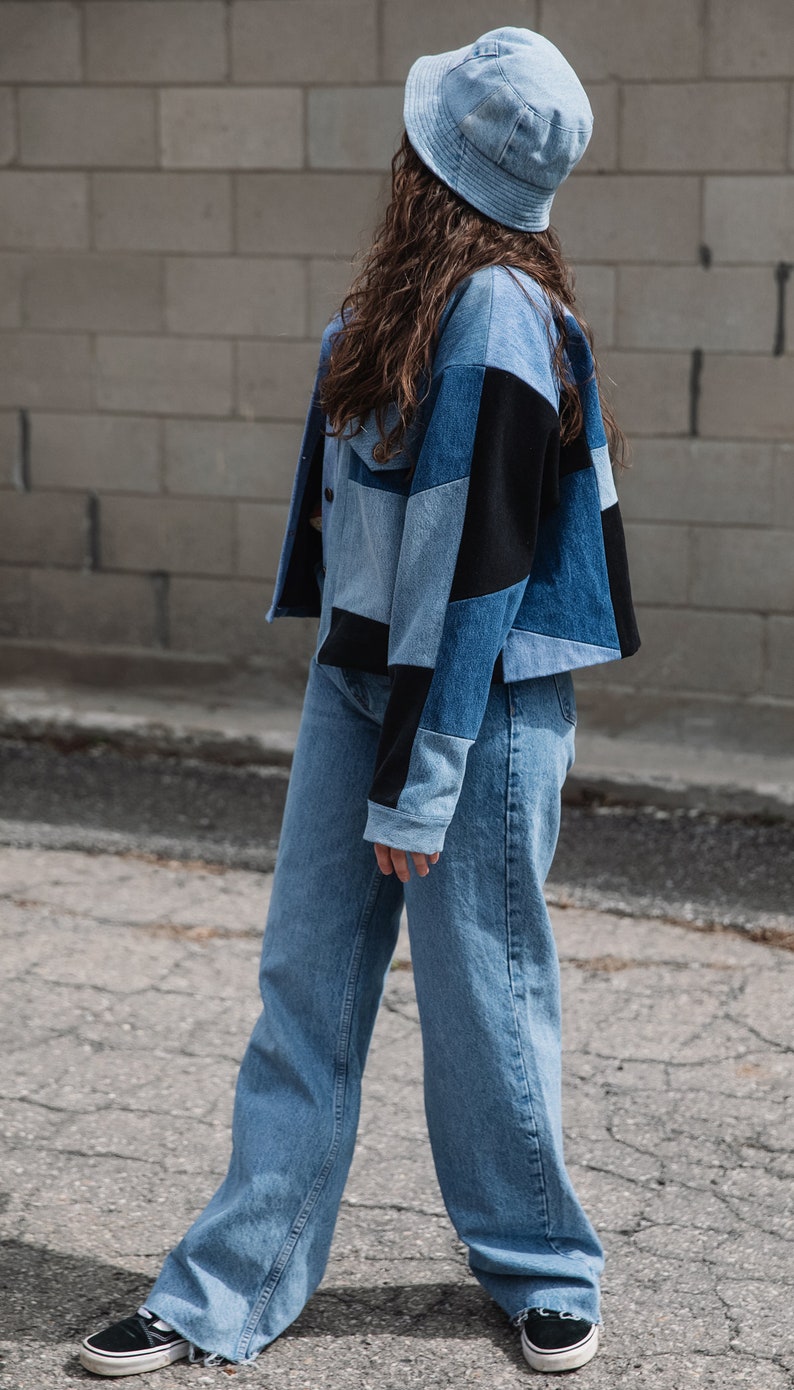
[486, 470]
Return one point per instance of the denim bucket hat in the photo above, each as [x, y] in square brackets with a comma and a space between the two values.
[502, 121]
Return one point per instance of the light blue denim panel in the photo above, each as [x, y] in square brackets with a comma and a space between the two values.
[368, 551]
[518, 336]
[435, 773]
[333, 518]
[491, 316]
[463, 326]
[529, 654]
[433, 525]
[568, 592]
[364, 440]
[603, 471]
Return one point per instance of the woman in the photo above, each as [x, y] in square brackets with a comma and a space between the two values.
[454, 526]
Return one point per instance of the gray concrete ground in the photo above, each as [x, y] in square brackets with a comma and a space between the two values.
[130, 987]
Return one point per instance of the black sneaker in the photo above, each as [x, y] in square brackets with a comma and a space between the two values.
[140, 1343]
[553, 1341]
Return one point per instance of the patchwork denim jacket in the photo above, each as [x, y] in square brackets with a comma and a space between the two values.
[500, 557]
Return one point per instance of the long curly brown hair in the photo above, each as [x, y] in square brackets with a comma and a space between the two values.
[428, 240]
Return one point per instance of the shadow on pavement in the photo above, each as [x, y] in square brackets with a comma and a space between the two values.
[50, 1296]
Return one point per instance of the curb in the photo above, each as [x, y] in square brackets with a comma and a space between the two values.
[725, 800]
[138, 737]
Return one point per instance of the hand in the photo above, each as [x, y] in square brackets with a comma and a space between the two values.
[396, 860]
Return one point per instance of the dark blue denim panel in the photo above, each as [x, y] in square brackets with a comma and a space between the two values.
[568, 594]
[474, 632]
[448, 439]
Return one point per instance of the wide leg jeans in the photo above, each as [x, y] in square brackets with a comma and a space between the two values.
[487, 984]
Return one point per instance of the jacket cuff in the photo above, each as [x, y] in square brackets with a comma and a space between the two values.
[402, 831]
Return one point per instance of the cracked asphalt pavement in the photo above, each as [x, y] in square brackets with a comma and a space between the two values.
[129, 991]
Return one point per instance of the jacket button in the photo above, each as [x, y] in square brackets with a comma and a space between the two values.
[329, 494]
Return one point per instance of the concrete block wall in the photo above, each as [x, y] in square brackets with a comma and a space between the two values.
[183, 184]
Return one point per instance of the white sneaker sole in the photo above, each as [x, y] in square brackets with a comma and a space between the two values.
[566, 1359]
[126, 1363]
